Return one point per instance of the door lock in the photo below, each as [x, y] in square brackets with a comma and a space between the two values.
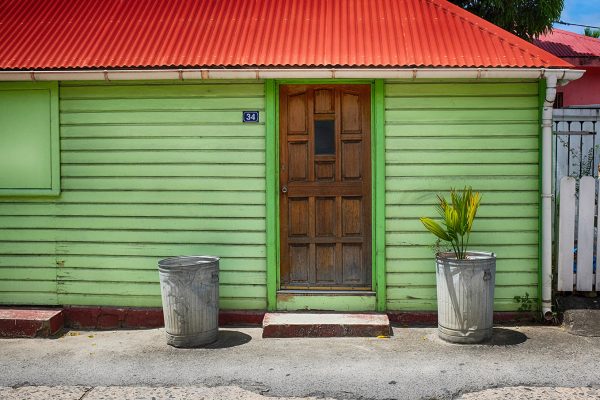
[284, 189]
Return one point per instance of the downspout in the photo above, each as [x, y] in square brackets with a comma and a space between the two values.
[553, 78]
[551, 81]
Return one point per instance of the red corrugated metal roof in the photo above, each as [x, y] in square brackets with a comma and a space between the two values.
[66, 34]
[568, 44]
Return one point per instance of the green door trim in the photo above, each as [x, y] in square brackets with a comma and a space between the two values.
[377, 189]
[272, 195]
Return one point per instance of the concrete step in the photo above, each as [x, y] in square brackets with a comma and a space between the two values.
[581, 313]
[30, 322]
[582, 322]
[286, 325]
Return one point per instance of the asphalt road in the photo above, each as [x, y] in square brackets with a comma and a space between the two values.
[413, 364]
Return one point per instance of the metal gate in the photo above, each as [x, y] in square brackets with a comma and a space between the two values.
[576, 147]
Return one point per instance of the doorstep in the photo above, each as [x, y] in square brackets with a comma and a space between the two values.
[581, 313]
[30, 322]
[286, 325]
[582, 322]
[326, 301]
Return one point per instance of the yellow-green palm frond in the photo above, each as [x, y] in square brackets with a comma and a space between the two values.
[435, 228]
[457, 218]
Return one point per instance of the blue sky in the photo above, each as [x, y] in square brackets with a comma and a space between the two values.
[586, 12]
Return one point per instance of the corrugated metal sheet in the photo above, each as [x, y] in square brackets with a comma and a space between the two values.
[59, 34]
[568, 44]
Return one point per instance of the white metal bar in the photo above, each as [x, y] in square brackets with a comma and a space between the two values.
[566, 234]
[579, 133]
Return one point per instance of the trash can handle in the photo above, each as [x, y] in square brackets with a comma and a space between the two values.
[487, 275]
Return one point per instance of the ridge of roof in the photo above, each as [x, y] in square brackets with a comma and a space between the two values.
[574, 34]
[569, 44]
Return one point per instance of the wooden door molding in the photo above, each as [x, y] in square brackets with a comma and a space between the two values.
[325, 187]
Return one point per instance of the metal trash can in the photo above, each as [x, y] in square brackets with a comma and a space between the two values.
[190, 299]
[465, 296]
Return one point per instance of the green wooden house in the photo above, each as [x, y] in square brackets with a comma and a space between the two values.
[298, 140]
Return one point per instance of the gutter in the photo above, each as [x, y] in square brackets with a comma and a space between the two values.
[562, 75]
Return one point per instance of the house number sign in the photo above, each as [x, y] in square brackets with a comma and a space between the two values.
[249, 116]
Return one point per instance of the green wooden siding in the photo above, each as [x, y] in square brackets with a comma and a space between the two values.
[149, 170]
[450, 134]
[156, 169]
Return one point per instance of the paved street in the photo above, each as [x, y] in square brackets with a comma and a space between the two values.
[413, 364]
[236, 393]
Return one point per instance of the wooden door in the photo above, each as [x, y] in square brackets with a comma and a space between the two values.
[325, 187]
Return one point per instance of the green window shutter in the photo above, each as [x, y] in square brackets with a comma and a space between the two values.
[29, 139]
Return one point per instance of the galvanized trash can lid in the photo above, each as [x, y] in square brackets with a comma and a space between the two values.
[473, 258]
[171, 263]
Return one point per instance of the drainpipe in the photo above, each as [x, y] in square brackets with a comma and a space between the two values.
[551, 80]
[553, 77]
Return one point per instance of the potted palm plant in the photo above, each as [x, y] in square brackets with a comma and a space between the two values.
[465, 279]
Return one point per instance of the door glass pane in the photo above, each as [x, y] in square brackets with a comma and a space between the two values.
[324, 137]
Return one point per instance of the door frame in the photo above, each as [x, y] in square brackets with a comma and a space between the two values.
[378, 281]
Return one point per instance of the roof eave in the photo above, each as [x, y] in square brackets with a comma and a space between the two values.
[562, 74]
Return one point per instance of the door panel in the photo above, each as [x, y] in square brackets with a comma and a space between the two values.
[351, 115]
[298, 161]
[351, 160]
[325, 181]
[324, 101]
[297, 121]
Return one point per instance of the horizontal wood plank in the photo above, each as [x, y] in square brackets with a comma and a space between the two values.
[161, 104]
[399, 280]
[456, 102]
[164, 143]
[149, 262]
[131, 224]
[433, 128]
[161, 91]
[402, 265]
[164, 157]
[158, 130]
[471, 88]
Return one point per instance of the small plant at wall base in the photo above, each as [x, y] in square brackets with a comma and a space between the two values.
[457, 219]
[525, 302]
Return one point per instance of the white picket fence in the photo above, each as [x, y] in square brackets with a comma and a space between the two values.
[578, 246]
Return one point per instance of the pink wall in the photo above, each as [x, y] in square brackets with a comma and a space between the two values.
[585, 90]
